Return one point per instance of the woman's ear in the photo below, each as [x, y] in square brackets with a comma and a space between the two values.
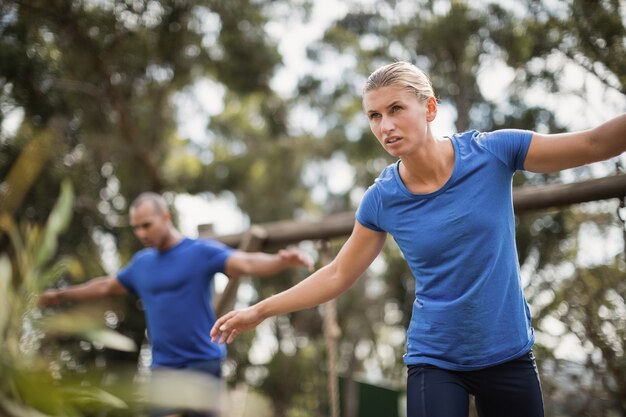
[431, 108]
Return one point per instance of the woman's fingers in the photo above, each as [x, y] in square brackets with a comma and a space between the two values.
[219, 330]
[232, 336]
[228, 327]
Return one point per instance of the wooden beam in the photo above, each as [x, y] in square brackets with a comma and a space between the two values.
[251, 241]
[560, 195]
[525, 199]
[288, 232]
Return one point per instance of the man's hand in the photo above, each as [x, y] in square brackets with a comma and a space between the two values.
[263, 264]
[48, 298]
[293, 258]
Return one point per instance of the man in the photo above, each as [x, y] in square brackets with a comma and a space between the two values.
[172, 276]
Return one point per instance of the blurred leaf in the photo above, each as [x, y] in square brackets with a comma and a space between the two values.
[8, 226]
[62, 212]
[93, 399]
[17, 410]
[111, 339]
[86, 322]
[39, 391]
[25, 170]
[57, 270]
[58, 221]
[5, 282]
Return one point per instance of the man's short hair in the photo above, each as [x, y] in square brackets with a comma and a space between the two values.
[158, 202]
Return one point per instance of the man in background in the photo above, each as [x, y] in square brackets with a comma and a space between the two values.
[173, 278]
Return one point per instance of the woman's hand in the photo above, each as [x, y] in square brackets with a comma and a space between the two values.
[227, 327]
[328, 282]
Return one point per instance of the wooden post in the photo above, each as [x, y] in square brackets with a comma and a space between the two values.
[331, 334]
[252, 242]
[622, 218]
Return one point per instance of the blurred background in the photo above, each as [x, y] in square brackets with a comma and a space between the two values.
[244, 112]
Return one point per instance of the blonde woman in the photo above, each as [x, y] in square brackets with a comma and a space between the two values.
[447, 202]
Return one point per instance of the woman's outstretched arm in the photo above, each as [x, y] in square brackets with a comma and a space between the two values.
[555, 152]
[353, 259]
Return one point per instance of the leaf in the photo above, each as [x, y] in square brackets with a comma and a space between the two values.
[8, 226]
[60, 215]
[36, 390]
[5, 283]
[18, 410]
[58, 221]
[53, 273]
[92, 399]
[86, 322]
[111, 339]
[78, 320]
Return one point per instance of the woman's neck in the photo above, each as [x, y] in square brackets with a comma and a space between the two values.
[428, 169]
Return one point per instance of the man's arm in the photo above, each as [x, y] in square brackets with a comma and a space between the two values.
[264, 264]
[91, 290]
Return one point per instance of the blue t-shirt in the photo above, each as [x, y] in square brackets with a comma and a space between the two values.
[459, 242]
[175, 288]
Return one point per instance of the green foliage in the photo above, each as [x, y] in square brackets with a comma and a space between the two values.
[27, 388]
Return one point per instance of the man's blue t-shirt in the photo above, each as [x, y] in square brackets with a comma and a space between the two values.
[175, 288]
[459, 242]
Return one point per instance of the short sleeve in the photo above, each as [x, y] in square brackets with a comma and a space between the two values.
[508, 145]
[217, 252]
[125, 275]
[367, 212]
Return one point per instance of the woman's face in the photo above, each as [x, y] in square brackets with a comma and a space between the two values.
[398, 119]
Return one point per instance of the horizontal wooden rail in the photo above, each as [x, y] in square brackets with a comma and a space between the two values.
[525, 199]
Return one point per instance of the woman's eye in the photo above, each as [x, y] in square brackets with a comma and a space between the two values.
[374, 116]
[395, 109]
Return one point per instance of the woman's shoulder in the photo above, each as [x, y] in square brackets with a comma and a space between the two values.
[467, 136]
[386, 177]
[388, 172]
[478, 135]
[488, 139]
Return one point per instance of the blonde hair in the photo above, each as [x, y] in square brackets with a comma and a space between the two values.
[401, 74]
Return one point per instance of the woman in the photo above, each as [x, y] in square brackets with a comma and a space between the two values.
[448, 204]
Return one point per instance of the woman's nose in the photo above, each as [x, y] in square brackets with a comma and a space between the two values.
[386, 124]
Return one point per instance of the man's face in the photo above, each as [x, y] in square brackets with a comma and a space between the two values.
[150, 226]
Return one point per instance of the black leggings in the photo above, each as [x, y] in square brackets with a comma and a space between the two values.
[511, 389]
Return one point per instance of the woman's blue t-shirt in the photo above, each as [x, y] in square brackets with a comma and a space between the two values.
[459, 242]
[175, 288]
